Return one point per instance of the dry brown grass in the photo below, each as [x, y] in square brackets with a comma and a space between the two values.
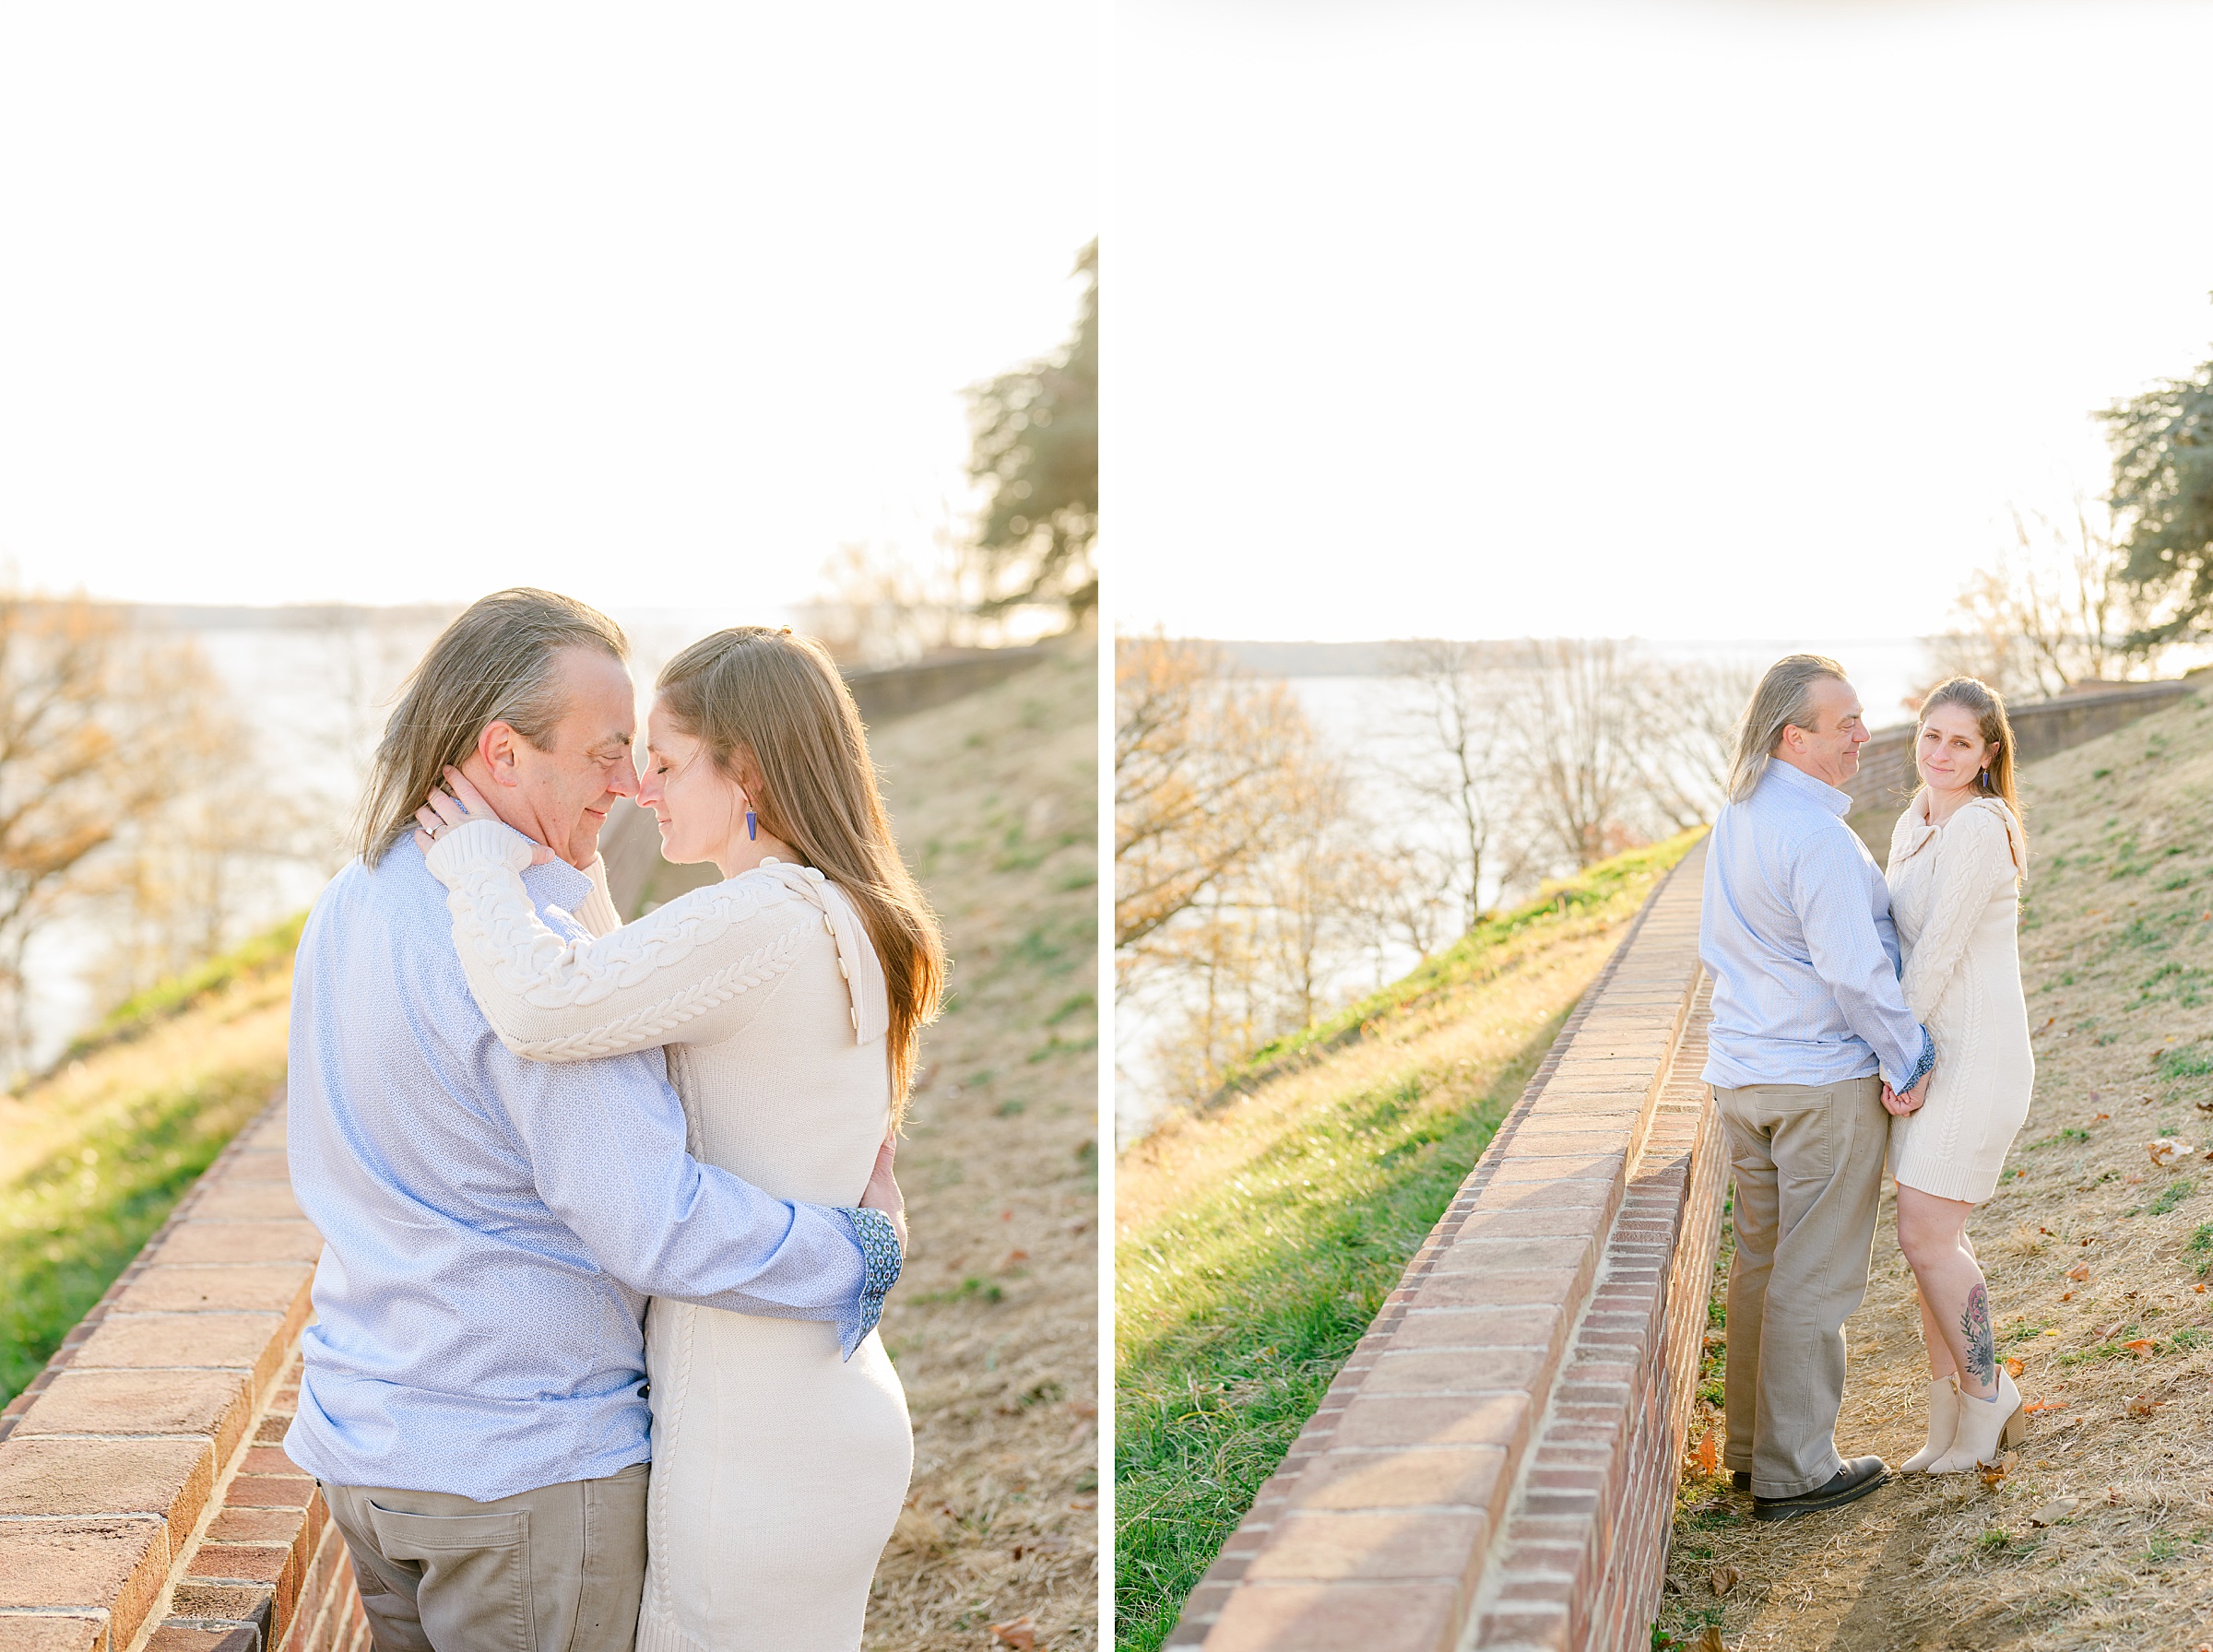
[2117, 959]
[995, 1325]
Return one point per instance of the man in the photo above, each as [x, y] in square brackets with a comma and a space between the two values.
[474, 1398]
[1809, 1021]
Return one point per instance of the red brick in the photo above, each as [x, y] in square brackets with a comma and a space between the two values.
[244, 1200]
[1466, 1371]
[215, 1403]
[1329, 1617]
[1474, 1289]
[1417, 1476]
[171, 1479]
[44, 1634]
[270, 1491]
[256, 1524]
[1568, 1251]
[1477, 1327]
[270, 1288]
[1537, 1223]
[1500, 1419]
[251, 1564]
[1320, 1545]
[117, 1567]
[241, 1242]
[171, 1342]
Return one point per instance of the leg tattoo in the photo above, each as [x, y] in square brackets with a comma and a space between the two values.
[1974, 1324]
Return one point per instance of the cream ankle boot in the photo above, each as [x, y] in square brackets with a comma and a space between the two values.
[1985, 1427]
[1944, 1418]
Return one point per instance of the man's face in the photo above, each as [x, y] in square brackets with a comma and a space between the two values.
[1830, 749]
[559, 795]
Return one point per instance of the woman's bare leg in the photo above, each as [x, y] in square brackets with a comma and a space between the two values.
[1955, 1304]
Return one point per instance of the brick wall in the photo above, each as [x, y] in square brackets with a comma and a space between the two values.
[1496, 1464]
[144, 1498]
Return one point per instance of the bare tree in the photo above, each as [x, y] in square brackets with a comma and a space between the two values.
[1580, 730]
[1456, 713]
[1203, 762]
[1690, 711]
[2051, 609]
[99, 732]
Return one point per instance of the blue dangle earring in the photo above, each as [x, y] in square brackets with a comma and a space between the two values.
[752, 827]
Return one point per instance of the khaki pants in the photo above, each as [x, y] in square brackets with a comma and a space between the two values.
[1808, 1164]
[560, 1569]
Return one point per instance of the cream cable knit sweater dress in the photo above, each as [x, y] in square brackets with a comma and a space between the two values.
[779, 1469]
[1957, 907]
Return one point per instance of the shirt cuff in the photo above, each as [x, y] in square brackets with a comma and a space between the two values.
[1921, 1068]
[880, 1258]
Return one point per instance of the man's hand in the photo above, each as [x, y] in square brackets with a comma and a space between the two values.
[882, 1191]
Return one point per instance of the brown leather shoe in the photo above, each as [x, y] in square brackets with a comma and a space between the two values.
[1853, 1482]
[1741, 1479]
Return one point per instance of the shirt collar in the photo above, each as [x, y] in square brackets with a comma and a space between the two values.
[1801, 784]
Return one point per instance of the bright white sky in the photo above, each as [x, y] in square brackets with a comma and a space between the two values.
[650, 305]
[1677, 319]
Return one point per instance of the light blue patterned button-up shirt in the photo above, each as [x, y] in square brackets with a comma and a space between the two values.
[1796, 929]
[493, 1226]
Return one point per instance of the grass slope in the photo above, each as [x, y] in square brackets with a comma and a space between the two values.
[2100, 1534]
[995, 1326]
[93, 1156]
[1257, 1240]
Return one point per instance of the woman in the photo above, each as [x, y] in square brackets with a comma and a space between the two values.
[789, 995]
[1957, 858]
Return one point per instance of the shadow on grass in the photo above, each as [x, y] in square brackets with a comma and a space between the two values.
[1311, 1235]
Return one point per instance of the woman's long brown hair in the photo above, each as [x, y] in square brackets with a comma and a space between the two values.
[777, 718]
[1988, 708]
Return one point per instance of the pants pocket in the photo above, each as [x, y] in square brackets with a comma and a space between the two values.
[475, 1588]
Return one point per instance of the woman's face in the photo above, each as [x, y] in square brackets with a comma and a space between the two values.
[1951, 751]
[698, 806]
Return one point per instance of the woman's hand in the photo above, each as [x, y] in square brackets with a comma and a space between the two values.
[882, 1191]
[454, 802]
[1898, 1105]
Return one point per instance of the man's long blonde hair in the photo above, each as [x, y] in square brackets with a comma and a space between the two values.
[776, 716]
[499, 661]
[1783, 699]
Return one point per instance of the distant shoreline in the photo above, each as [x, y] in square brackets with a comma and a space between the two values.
[1378, 658]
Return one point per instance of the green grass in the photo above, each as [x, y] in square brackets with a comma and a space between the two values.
[74, 1218]
[2177, 1191]
[72, 1222]
[271, 949]
[1238, 1308]
[1476, 956]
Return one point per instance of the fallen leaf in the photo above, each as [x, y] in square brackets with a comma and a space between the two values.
[2045, 1405]
[2101, 1117]
[1722, 1580]
[2058, 1509]
[2140, 1345]
[2017, 1367]
[2112, 1496]
[1993, 1474]
[2206, 1104]
[2043, 1229]
[2079, 1272]
[1020, 1634]
[2066, 1296]
[1709, 1457]
[1674, 1584]
[2110, 1332]
[1710, 1640]
[2143, 1405]
[2200, 1290]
